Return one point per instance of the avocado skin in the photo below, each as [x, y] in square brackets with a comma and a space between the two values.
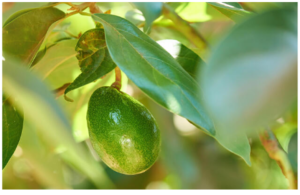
[122, 131]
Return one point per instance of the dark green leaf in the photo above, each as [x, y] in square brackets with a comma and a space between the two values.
[24, 32]
[12, 124]
[153, 70]
[293, 152]
[188, 59]
[231, 11]
[94, 58]
[251, 76]
[151, 11]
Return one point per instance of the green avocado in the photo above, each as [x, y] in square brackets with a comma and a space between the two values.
[122, 131]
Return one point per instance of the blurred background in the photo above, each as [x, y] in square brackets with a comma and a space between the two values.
[189, 158]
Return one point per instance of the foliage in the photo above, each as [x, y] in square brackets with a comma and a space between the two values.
[227, 70]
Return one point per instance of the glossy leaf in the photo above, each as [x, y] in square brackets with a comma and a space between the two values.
[251, 76]
[55, 56]
[94, 58]
[24, 32]
[151, 11]
[234, 12]
[188, 59]
[153, 70]
[43, 111]
[12, 124]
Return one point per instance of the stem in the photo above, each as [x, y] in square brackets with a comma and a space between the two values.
[118, 83]
[184, 27]
[275, 152]
[61, 90]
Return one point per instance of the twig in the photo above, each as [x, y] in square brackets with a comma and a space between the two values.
[275, 152]
[184, 27]
[118, 83]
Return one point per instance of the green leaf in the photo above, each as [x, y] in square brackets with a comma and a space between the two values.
[151, 11]
[24, 32]
[135, 17]
[16, 15]
[94, 58]
[153, 70]
[232, 11]
[251, 76]
[54, 57]
[188, 59]
[293, 152]
[12, 124]
[43, 111]
[234, 4]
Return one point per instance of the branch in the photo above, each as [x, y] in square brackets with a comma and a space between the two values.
[184, 27]
[275, 152]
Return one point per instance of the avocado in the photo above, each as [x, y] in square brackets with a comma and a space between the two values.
[122, 131]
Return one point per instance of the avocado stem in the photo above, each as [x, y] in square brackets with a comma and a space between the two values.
[118, 83]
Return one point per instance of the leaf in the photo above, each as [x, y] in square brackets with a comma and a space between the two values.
[293, 152]
[232, 11]
[151, 11]
[251, 76]
[193, 11]
[188, 59]
[41, 109]
[94, 58]
[153, 70]
[24, 32]
[135, 17]
[234, 4]
[12, 123]
[54, 57]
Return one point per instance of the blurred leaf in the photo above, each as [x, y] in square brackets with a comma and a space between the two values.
[42, 110]
[193, 11]
[153, 70]
[234, 4]
[188, 59]
[55, 56]
[232, 11]
[151, 11]
[12, 124]
[16, 15]
[135, 17]
[94, 58]
[293, 152]
[24, 32]
[284, 134]
[251, 76]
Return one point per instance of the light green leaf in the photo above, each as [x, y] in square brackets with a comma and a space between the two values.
[12, 124]
[153, 70]
[231, 11]
[135, 17]
[24, 32]
[94, 58]
[41, 109]
[151, 11]
[188, 59]
[251, 76]
[55, 56]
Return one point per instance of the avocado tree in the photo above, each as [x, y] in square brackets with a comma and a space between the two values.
[69, 71]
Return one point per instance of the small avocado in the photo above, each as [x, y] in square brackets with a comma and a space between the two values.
[122, 131]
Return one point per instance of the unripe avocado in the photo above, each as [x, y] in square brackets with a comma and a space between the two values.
[122, 131]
